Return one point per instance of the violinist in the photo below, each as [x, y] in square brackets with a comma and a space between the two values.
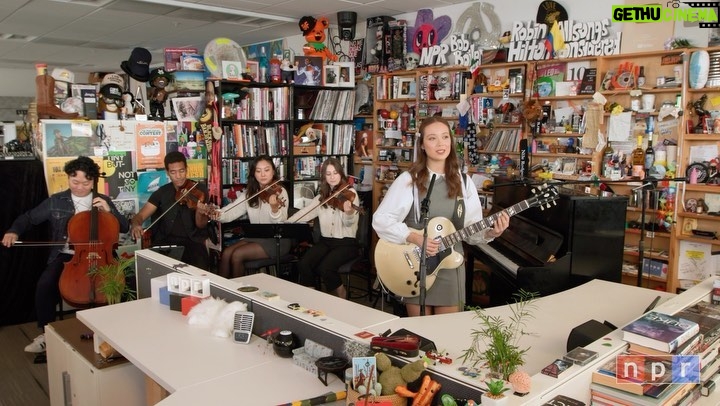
[58, 209]
[265, 201]
[338, 227]
[182, 217]
[452, 197]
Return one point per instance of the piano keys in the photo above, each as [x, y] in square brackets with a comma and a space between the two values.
[579, 239]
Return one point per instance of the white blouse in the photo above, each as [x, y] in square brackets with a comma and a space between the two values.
[333, 223]
[388, 219]
[262, 214]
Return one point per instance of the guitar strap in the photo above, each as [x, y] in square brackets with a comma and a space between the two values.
[458, 218]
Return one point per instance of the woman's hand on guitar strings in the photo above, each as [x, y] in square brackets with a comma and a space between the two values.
[501, 224]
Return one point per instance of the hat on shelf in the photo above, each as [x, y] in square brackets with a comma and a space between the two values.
[160, 72]
[63, 75]
[111, 91]
[113, 78]
[138, 65]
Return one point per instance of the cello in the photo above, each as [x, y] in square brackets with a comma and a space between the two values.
[94, 235]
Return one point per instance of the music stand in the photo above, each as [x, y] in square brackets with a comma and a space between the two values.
[278, 231]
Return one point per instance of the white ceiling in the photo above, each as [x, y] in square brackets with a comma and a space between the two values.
[97, 35]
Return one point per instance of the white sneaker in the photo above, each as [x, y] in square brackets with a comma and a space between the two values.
[38, 344]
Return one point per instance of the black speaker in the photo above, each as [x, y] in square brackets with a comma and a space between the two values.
[587, 332]
[347, 21]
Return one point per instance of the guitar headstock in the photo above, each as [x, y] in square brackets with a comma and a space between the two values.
[545, 196]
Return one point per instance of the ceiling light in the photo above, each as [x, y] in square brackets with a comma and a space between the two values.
[206, 7]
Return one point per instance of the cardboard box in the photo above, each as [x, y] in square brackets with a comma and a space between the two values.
[305, 149]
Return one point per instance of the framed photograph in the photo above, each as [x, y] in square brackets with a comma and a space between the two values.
[231, 70]
[331, 75]
[253, 69]
[407, 88]
[187, 108]
[309, 70]
[347, 74]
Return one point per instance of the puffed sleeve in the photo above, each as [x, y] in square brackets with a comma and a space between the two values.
[473, 212]
[233, 211]
[388, 218]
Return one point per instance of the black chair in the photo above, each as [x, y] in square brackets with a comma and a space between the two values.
[360, 266]
[268, 265]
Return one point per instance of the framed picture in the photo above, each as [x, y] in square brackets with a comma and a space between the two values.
[253, 69]
[331, 75]
[407, 88]
[347, 74]
[309, 70]
[231, 70]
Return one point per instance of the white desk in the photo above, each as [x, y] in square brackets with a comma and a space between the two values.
[196, 367]
[556, 315]
[357, 317]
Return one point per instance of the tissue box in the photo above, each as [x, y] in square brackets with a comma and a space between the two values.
[306, 356]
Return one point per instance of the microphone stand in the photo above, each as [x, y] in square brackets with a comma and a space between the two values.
[424, 208]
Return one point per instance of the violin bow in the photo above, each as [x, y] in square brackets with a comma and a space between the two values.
[332, 195]
[171, 206]
[237, 202]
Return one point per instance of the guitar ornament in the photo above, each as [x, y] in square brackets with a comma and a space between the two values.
[398, 265]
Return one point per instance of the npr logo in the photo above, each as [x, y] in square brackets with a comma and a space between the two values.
[657, 369]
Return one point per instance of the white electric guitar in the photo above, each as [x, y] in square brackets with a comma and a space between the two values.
[398, 265]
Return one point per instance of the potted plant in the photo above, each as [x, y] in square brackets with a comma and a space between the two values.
[494, 395]
[495, 343]
[112, 277]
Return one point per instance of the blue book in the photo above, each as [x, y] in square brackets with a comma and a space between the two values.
[660, 331]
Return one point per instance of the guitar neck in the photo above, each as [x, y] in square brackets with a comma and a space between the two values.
[453, 238]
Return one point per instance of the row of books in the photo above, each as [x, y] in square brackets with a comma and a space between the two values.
[504, 140]
[264, 104]
[247, 141]
[657, 338]
[334, 105]
[309, 167]
[236, 172]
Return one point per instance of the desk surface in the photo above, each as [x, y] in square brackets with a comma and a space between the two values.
[187, 360]
[555, 316]
[355, 315]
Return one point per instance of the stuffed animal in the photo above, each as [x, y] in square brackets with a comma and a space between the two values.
[217, 314]
[314, 32]
[287, 71]
[392, 377]
[159, 79]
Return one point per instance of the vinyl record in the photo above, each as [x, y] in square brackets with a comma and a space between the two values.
[219, 50]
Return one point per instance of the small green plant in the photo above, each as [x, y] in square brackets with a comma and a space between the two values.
[495, 343]
[112, 278]
[496, 388]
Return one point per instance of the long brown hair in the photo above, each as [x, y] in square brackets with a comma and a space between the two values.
[325, 189]
[420, 172]
[253, 186]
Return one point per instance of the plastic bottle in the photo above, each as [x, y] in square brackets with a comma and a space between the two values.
[275, 72]
[263, 65]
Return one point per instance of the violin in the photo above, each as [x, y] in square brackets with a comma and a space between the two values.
[344, 194]
[273, 189]
[187, 195]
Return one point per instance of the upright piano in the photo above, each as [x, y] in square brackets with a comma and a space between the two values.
[551, 250]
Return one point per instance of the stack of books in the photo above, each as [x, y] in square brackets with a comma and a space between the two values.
[653, 341]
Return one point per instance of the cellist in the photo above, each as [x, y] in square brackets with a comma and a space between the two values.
[58, 209]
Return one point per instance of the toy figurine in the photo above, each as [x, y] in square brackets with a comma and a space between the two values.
[157, 95]
[314, 32]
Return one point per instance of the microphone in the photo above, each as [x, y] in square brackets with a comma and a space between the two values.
[425, 206]
[430, 188]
